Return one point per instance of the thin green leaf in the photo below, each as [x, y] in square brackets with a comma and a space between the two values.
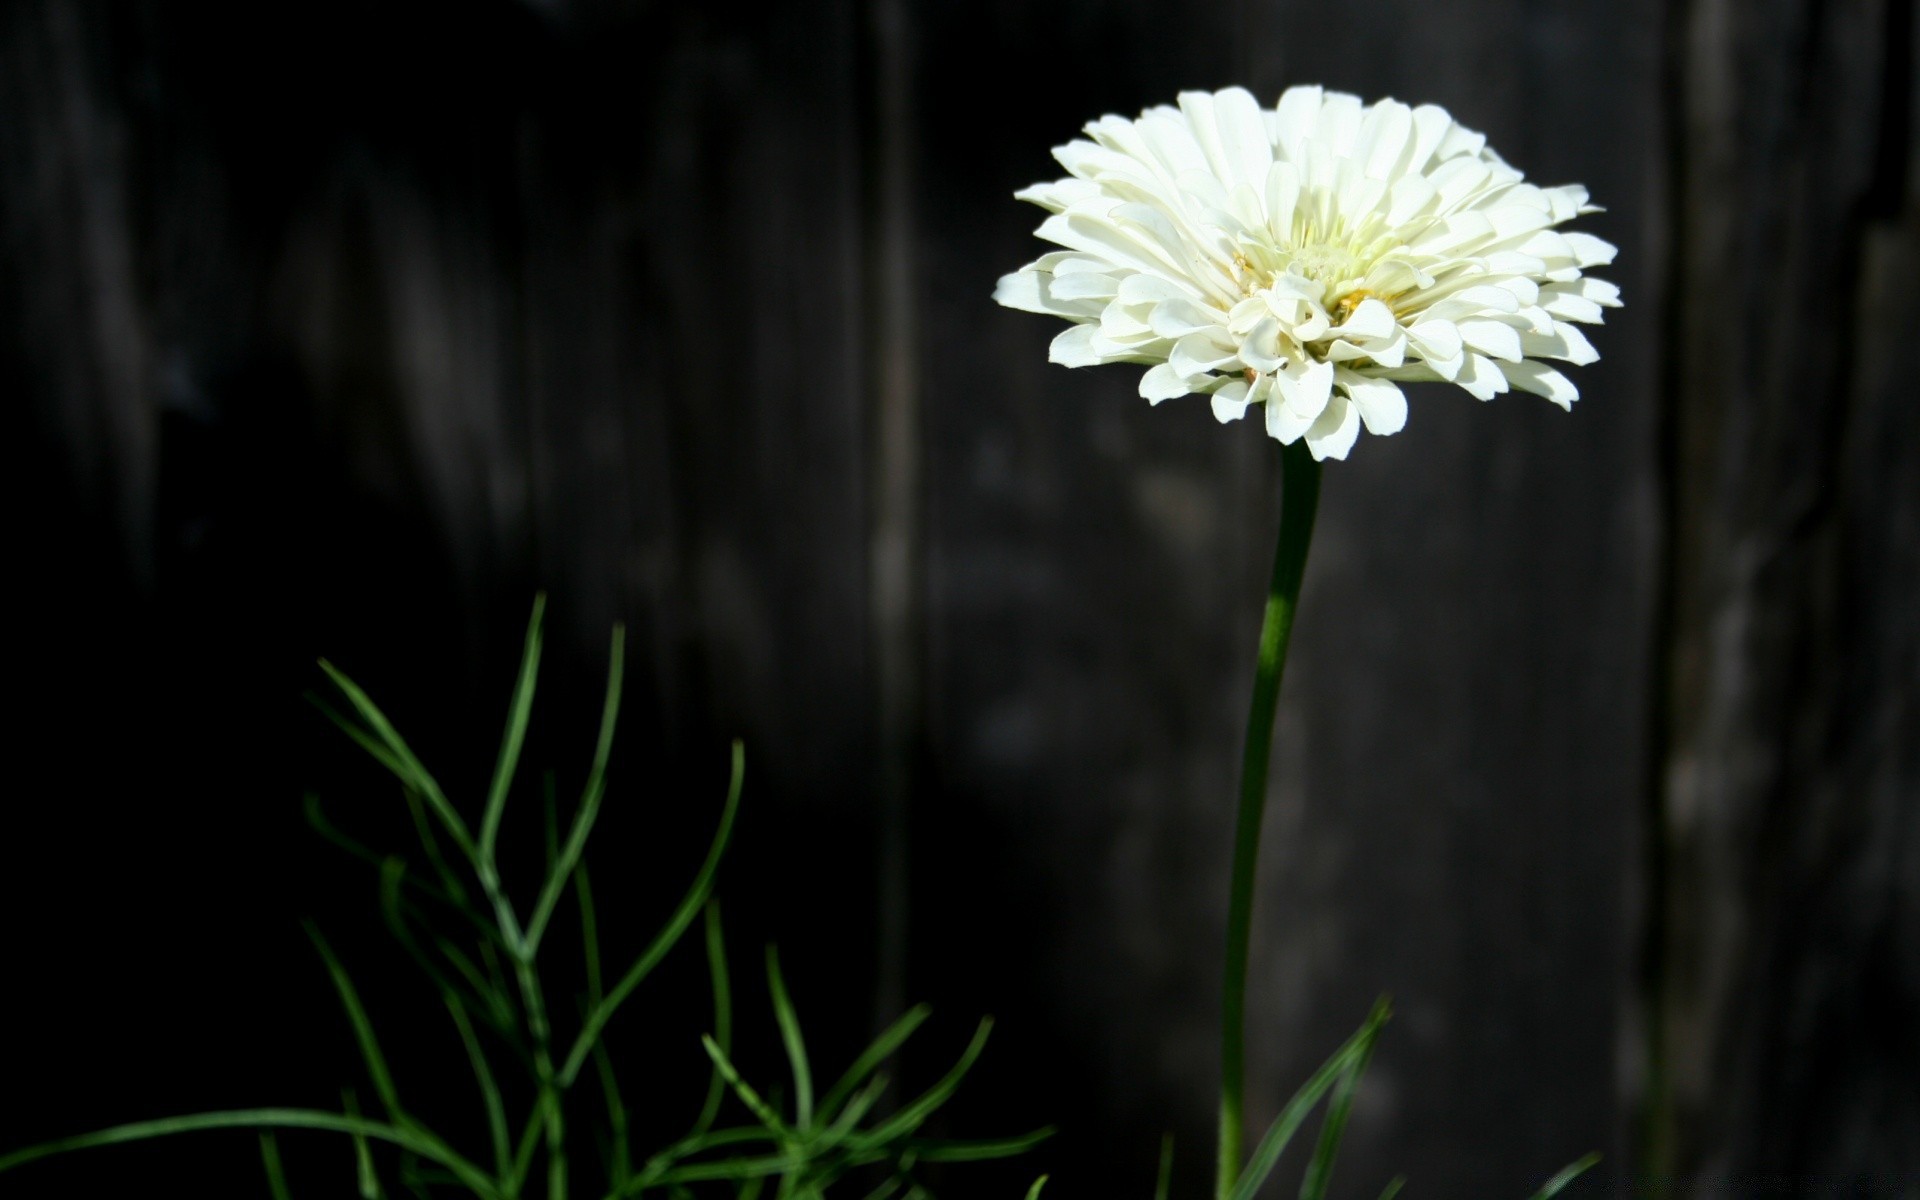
[1267, 1154]
[366, 741]
[891, 1185]
[733, 1168]
[1393, 1187]
[483, 1076]
[518, 710]
[421, 1143]
[550, 809]
[668, 936]
[619, 1149]
[589, 810]
[722, 1013]
[858, 1107]
[1567, 1175]
[317, 818]
[362, 1030]
[1163, 1178]
[528, 1145]
[364, 1175]
[656, 1166]
[423, 829]
[759, 1107]
[395, 909]
[1320, 1169]
[400, 759]
[1033, 1193]
[910, 1117]
[870, 1059]
[796, 1046]
[276, 1174]
[978, 1150]
[620, 1166]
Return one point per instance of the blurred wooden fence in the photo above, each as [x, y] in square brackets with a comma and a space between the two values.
[340, 330]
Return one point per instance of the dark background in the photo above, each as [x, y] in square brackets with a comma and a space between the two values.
[339, 330]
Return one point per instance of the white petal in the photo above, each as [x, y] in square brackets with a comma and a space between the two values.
[1435, 340]
[1059, 195]
[1199, 353]
[1382, 405]
[1542, 380]
[1566, 343]
[1074, 347]
[1385, 138]
[1371, 319]
[1243, 137]
[1492, 337]
[1590, 251]
[1283, 192]
[1162, 382]
[1335, 432]
[1230, 402]
[1481, 377]
[1178, 317]
[1305, 387]
[1260, 348]
[1411, 194]
[1146, 289]
[1298, 111]
[1032, 291]
[1084, 285]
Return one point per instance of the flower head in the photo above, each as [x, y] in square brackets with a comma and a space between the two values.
[1310, 258]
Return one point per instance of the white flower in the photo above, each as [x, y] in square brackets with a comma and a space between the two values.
[1309, 258]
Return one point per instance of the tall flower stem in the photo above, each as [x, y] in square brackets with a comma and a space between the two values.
[1299, 500]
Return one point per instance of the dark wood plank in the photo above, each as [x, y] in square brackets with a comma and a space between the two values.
[1787, 943]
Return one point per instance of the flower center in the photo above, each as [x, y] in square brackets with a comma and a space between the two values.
[1325, 263]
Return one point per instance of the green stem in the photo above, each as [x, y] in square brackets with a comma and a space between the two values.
[1300, 497]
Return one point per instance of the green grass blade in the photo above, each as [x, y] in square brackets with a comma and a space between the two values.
[589, 934]
[367, 1180]
[423, 829]
[1393, 1187]
[1033, 1193]
[856, 1108]
[913, 1115]
[981, 1149]
[423, 1144]
[590, 798]
[1320, 1169]
[394, 908]
[519, 709]
[524, 1151]
[317, 818]
[663, 941]
[362, 1030]
[620, 1166]
[875, 1054]
[1163, 1178]
[1567, 1175]
[619, 1150]
[400, 759]
[722, 1014]
[1267, 1154]
[374, 747]
[276, 1174]
[796, 1046]
[741, 1088]
[489, 1088]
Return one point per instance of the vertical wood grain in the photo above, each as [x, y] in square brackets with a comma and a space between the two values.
[1787, 958]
